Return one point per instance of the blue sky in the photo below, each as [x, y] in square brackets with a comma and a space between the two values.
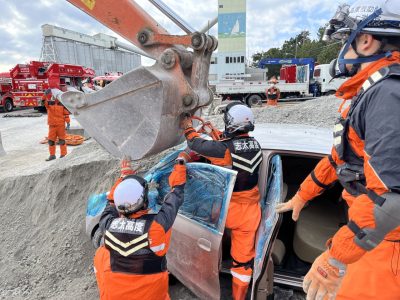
[269, 22]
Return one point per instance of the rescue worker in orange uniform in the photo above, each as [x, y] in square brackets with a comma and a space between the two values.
[362, 259]
[132, 262]
[242, 153]
[57, 117]
[273, 93]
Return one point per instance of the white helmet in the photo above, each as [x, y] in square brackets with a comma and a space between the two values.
[238, 117]
[385, 22]
[131, 195]
[381, 18]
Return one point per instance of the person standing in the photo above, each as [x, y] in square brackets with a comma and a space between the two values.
[273, 93]
[242, 153]
[58, 121]
[362, 259]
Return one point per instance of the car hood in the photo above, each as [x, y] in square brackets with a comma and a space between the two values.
[294, 137]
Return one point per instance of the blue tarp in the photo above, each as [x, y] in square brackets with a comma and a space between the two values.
[205, 192]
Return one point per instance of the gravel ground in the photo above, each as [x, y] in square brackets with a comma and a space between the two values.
[45, 252]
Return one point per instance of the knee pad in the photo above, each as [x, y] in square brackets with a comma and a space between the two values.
[61, 142]
[51, 143]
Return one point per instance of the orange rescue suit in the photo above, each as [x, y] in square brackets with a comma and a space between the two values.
[141, 272]
[273, 95]
[243, 154]
[57, 116]
[367, 144]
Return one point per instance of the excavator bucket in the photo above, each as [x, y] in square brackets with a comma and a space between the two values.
[139, 113]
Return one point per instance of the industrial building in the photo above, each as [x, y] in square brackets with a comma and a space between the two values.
[230, 61]
[101, 52]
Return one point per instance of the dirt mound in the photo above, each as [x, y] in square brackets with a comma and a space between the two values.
[45, 253]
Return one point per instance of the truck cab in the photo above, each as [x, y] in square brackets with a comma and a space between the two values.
[5, 88]
[326, 85]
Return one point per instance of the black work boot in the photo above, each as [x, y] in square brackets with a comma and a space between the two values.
[61, 156]
[51, 157]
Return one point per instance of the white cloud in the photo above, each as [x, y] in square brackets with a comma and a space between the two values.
[269, 22]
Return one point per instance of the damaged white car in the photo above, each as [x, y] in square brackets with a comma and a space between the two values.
[200, 245]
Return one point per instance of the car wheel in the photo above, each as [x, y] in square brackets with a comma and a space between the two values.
[254, 100]
[97, 238]
[8, 105]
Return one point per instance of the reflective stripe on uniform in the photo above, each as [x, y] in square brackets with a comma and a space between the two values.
[338, 127]
[129, 252]
[366, 85]
[376, 76]
[337, 140]
[250, 162]
[126, 245]
[240, 166]
[158, 248]
[243, 278]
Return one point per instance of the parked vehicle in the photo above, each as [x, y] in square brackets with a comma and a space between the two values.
[294, 81]
[200, 245]
[100, 82]
[325, 84]
[28, 81]
[5, 88]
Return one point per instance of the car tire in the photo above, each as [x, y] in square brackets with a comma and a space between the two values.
[8, 105]
[97, 238]
[254, 100]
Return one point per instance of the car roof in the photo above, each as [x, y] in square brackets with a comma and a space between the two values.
[294, 137]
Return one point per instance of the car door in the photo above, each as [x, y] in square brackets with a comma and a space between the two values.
[194, 253]
[273, 186]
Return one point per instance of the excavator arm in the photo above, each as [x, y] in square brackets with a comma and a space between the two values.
[139, 113]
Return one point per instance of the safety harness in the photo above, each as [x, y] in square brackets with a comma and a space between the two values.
[129, 245]
[351, 174]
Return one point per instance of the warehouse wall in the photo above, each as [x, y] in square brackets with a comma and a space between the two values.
[98, 58]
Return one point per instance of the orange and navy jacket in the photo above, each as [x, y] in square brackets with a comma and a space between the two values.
[228, 153]
[367, 147]
[151, 245]
[57, 114]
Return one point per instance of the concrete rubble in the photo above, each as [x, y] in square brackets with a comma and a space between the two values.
[45, 252]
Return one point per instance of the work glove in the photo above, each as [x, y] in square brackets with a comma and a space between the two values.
[178, 175]
[324, 278]
[296, 204]
[186, 123]
[68, 126]
[188, 155]
[126, 166]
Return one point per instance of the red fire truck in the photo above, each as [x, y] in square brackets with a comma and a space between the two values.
[27, 82]
[5, 88]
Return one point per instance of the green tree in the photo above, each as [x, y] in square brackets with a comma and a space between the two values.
[301, 46]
